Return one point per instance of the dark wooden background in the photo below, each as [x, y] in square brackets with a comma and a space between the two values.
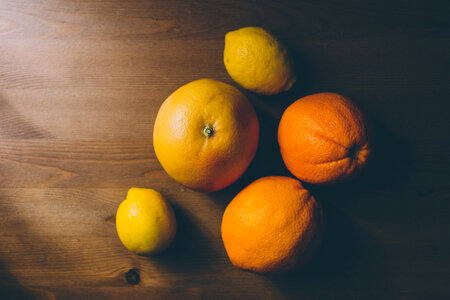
[81, 83]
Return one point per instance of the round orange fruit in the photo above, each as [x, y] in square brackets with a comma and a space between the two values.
[206, 134]
[323, 138]
[272, 226]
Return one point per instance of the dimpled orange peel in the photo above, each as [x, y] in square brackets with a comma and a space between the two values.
[272, 226]
[323, 138]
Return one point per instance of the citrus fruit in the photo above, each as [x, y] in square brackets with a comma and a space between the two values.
[258, 61]
[206, 134]
[145, 222]
[323, 138]
[272, 226]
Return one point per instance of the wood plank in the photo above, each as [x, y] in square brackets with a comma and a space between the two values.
[62, 163]
[66, 237]
[50, 163]
[144, 65]
[87, 114]
[132, 78]
[125, 64]
[201, 20]
[72, 232]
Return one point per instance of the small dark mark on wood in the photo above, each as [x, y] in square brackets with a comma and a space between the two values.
[111, 219]
[133, 276]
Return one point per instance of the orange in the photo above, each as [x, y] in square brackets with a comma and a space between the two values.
[323, 138]
[272, 226]
[206, 134]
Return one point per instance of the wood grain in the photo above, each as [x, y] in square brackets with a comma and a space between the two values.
[81, 83]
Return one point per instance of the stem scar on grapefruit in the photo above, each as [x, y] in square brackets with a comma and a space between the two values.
[323, 138]
[206, 134]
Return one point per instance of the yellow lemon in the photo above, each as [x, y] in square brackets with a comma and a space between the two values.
[257, 60]
[145, 222]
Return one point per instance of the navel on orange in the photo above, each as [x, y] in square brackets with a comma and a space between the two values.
[272, 226]
[323, 138]
[206, 134]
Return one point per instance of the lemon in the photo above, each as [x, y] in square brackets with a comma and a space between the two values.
[257, 61]
[145, 222]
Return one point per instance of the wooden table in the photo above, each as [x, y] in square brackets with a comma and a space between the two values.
[80, 86]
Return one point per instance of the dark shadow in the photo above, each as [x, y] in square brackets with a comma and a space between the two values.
[304, 73]
[388, 166]
[11, 288]
[267, 160]
[18, 292]
[349, 260]
[189, 250]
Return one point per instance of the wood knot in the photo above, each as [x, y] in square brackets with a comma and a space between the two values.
[111, 219]
[133, 276]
